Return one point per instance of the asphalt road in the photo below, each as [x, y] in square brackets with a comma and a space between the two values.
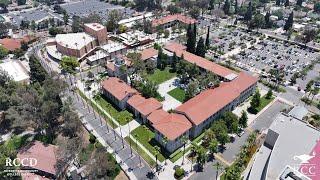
[141, 172]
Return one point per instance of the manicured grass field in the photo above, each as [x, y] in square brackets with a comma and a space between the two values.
[160, 76]
[123, 117]
[264, 102]
[178, 93]
[146, 137]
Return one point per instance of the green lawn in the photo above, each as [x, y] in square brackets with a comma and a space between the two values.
[141, 152]
[146, 137]
[121, 116]
[95, 107]
[264, 102]
[178, 93]
[160, 76]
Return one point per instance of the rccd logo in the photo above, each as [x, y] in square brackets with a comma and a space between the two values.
[17, 162]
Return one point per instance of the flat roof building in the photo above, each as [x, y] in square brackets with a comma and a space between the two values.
[16, 70]
[291, 148]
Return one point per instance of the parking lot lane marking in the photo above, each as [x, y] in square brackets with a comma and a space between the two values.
[220, 158]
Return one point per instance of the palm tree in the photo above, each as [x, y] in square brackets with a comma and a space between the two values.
[128, 120]
[218, 166]
[157, 151]
[136, 137]
[184, 140]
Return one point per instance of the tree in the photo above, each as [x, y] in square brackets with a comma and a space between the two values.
[173, 9]
[269, 94]
[267, 20]
[208, 137]
[72, 124]
[3, 52]
[65, 18]
[76, 24]
[21, 2]
[174, 62]
[249, 12]
[156, 151]
[289, 22]
[113, 18]
[308, 35]
[33, 25]
[317, 7]
[255, 101]
[226, 7]
[102, 165]
[221, 132]
[69, 64]
[287, 3]
[243, 120]
[278, 2]
[211, 4]
[4, 4]
[37, 73]
[258, 21]
[194, 12]
[192, 90]
[201, 157]
[213, 146]
[233, 172]
[24, 46]
[201, 49]
[218, 166]
[299, 2]
[184, 140]
[207, 44]
[231, 121]
[191, 41]
[236, 7]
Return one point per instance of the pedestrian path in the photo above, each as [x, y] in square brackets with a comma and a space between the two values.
[169, 101]
[126, 129]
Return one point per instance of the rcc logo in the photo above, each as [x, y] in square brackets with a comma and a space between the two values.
[30, 162]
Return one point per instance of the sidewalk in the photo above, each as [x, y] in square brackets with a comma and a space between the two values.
[111, 140]
[169, 102]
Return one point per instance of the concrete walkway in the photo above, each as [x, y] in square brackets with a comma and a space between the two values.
[169, 102]
[126, 129]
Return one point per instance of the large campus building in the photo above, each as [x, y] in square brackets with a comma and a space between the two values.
[192, 117]
[172, 20]
[291, 150]
[83, 44]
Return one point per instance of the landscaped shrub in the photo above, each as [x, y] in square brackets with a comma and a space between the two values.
[179, 173]
[92, 139]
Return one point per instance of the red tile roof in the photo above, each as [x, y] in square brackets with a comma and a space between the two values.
[173, 125]
[157, 116]
[202, 62]
[175, 17]
[118, 88]
[10, 44]
[45, 155]
[201, 107]
[173, 46]
[143, 105]
[148, 53]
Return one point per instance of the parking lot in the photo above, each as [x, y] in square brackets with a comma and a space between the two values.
[224, 40]
[87, 7]
[269, 54]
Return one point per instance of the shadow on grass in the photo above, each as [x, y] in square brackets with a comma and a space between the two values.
[252, 110]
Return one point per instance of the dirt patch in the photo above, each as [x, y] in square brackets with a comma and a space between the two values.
[121, 176]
